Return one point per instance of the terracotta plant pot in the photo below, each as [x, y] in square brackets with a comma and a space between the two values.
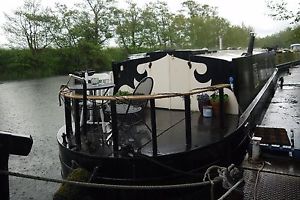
[216, 108]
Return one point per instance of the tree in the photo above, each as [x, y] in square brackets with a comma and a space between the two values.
[157, 20]
[67, 32]
[204, 26]
[30, 26]
[96, 20]
[279, 11]
[179, 38]
[195, 9]
[236, 36]
[129, 27]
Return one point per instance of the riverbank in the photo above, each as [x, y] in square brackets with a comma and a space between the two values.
[21, 64]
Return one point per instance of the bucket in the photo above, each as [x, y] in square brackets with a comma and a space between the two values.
[207, 111]
[203, 100]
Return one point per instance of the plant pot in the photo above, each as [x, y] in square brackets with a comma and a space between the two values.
[216, 108]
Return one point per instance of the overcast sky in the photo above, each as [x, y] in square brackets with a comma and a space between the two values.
[252, 13]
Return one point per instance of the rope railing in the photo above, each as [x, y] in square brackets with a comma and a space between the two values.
[69, 94]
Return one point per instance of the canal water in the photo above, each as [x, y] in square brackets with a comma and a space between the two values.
[31, 107]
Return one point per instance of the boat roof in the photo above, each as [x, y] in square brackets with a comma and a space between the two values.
[227, 55]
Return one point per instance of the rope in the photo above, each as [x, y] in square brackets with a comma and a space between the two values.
[141, 187]
[229, 176]
[207, 176]
[231, 189]
[69, 94]
[256, 181]
[272, 172]
[108, 186]
[63, 90]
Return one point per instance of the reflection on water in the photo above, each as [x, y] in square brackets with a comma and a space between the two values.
[31, 107]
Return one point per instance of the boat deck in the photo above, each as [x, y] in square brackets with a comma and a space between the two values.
[170, 131]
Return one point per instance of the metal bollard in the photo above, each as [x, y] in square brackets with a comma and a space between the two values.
[281, 82]
[256, 148]
[11, 144]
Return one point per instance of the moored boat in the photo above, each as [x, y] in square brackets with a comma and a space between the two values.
[181, 143]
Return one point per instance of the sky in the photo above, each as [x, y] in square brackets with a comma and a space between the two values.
[252, 13]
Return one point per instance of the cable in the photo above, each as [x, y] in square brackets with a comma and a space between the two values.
[142, 146]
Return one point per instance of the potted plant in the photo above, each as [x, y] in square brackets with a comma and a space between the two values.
[215, 102]
[203, 100]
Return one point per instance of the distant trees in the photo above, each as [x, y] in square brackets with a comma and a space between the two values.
[60, 39]
[129, 27]
[155, 27]
[37, 27]
[279, 10]
[80, 35]
[93, 23]
[30, 27]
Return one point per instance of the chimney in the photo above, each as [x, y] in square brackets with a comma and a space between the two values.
[251, 44]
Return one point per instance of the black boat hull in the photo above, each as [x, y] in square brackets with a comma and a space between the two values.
[140, 169]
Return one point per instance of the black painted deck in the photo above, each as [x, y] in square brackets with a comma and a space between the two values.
[170, 131]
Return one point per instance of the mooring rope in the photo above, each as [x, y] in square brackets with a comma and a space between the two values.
[109, 186]
[231, 189]
[223, 171]
[256, 181]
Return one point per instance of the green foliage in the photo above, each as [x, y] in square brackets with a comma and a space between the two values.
[216, 98]
[283, 39]
[236, 36]
[21, 64]
[63, 40]
[123, 93]
[279, 10]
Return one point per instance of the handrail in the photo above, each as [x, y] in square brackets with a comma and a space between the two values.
[287, 65]
[71, 95]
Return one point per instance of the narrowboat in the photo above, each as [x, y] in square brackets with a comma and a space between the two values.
[176, 140]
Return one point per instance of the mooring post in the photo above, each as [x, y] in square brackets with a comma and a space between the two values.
[84, 125]
[153, 127]
[4, 181]
[281, 82]
[77, 124]
[188, 129]
[68, 116]
[114, 124]
[221, 96]
[11, 144]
